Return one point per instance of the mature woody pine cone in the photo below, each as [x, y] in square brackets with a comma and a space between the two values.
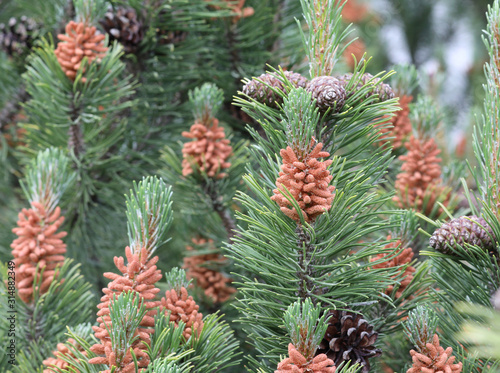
[328, 93]
[383, 90]
[349, 337]
[18, 35]
[262, 92]
[473, 230]
[124, 27]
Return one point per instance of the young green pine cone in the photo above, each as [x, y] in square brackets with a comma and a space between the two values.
[328, 92]
[262, 91]
[473, 230]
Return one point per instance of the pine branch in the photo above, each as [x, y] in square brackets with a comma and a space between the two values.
[12, 107]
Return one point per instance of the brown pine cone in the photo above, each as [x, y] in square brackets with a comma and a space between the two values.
[472, 230]
[124, 27]
[349, 337]
[328, 92]
[384, 90]
[18, 35]
[262, 92]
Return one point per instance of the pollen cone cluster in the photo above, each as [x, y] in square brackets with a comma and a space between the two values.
[214, 283]
[420, 177]
[434, 359]
[401, 125]
[297, 363]
[391, 260]
[62, 351]
[353, 11]
[183, 308]
[356, 48]
[80, 41]
[209, 149]
[140, 276]
[239, 9]
[38, 243]
[307, 180]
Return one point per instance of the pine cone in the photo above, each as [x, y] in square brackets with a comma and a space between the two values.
[214, 283]
[209, 149]
[390, 260]
[61, 351]
[262, 92]
[80, 41]
[18, 35]
[297, 363]
[435, 359]
[328, 92]
[38, 243]
[307, 179]
[183, 308]
[472, 230]
[384, 90]
[401, 125]
[349, 337]
[124, 27]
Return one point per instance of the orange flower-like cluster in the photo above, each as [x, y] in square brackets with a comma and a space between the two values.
[356, 48]
[435, 359]
[209, 149]
[239, 10]
[401, 125]
[140, 276]
[61, 351]
[353, 12]
[38, 243]
[297, 363]
[420, 177]
[307, 180]
[80, 41]
[183, 308]
[213, 282]
[391, 260]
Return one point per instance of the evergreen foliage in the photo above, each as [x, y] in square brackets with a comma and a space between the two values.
[302, 176]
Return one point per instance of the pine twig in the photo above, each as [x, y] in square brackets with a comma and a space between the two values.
[11, 108]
